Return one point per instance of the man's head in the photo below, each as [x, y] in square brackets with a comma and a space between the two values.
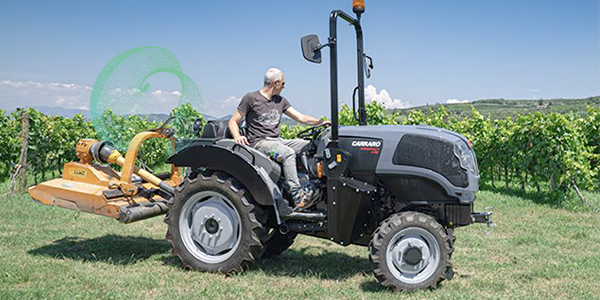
[275, 80]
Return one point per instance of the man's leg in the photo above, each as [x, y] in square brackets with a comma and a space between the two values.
[287, 156]
[296, 144]
[311, 192]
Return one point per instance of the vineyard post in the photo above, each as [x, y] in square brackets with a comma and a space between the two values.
[21, 169]
[578, 192]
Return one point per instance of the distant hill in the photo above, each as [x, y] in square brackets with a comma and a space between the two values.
[502, 108]
[491, 108]
[63, 112]
[70, 113]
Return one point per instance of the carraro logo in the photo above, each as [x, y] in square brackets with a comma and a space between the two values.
[366, 143]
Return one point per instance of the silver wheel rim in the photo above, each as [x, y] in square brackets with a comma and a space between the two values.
[419, 243]
[210, 227]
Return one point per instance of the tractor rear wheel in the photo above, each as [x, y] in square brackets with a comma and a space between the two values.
[410, 251]
[213, 225]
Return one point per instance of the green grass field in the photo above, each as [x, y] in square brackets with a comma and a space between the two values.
[537, 251]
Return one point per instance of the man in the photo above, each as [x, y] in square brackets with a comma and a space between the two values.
[263, 109]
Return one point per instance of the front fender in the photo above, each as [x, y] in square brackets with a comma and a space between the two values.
[255, 179]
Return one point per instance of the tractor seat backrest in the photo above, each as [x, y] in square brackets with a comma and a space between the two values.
[219, 129]
[216, 129]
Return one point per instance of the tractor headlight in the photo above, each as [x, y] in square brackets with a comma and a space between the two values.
[465, 156]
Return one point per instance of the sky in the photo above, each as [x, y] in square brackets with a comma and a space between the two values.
[435, 51]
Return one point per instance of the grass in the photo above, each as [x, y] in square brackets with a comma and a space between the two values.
[537, 251]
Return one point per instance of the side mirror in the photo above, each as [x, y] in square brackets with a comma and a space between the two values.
[311, 48]
[368, 65]
[197, 127]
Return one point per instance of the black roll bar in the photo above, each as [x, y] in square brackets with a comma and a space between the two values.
[332, 43]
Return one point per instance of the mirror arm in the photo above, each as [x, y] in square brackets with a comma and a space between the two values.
[319, 46]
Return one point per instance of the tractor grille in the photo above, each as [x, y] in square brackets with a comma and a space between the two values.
[433, 154]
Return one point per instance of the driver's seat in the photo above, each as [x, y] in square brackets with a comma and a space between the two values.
[219, 131]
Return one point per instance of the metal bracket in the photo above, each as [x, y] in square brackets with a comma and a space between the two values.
[484, 217]
[319, 46]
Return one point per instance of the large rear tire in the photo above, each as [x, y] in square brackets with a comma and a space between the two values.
[410, 251]
[213, 225]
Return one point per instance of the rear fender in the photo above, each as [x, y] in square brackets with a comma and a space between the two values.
[255, 179]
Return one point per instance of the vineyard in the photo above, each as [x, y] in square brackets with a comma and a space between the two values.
[552, 153]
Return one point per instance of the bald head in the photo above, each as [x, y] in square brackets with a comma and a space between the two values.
[272, 75]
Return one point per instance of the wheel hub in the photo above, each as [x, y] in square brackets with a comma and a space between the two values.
[413, 255]
[214, 226]
[210, 226]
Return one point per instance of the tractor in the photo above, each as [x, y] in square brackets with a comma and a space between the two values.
[398, 190]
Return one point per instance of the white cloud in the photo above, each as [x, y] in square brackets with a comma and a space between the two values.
[15, 94]
[222, 107]
[455, 101]
[384, 98]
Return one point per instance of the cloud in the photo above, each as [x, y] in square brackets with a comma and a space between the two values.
[14, 94]
[221, 107]
[455, 101]
[384, 98]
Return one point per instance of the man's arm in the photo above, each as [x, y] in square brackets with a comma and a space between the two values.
[234, 127]
[302, 118]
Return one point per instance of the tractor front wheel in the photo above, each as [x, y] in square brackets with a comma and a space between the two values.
[213, 225]
[410, 251]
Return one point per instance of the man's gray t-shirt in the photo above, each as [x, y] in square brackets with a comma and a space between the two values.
[262, 116]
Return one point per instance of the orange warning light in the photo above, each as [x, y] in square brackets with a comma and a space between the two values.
[358, 6]
[319, 170]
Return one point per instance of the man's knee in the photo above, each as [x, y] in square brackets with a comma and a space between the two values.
[287, 152]
[277, 151]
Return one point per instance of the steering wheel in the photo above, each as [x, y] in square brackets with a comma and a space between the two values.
[311, 133]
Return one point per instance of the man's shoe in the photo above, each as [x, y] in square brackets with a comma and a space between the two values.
[306, 199]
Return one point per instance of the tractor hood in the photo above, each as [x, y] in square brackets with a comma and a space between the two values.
[434, 154]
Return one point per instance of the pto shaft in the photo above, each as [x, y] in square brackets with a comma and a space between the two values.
[104, 152]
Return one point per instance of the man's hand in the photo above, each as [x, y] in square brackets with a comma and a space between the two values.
[325, 123]
[242, 140]
[234, 128]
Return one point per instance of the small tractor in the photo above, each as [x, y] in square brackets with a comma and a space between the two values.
[399, 190]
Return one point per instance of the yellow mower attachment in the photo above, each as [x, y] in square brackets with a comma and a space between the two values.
[94, 188]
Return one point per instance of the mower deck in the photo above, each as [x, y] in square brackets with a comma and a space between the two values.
[97, 189]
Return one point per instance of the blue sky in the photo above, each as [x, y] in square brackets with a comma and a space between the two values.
[424, 51]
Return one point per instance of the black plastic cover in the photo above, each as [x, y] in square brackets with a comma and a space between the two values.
[365, 153]
[433, 154]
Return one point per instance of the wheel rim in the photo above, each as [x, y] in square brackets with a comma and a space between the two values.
[413, 255]
[210, 227]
